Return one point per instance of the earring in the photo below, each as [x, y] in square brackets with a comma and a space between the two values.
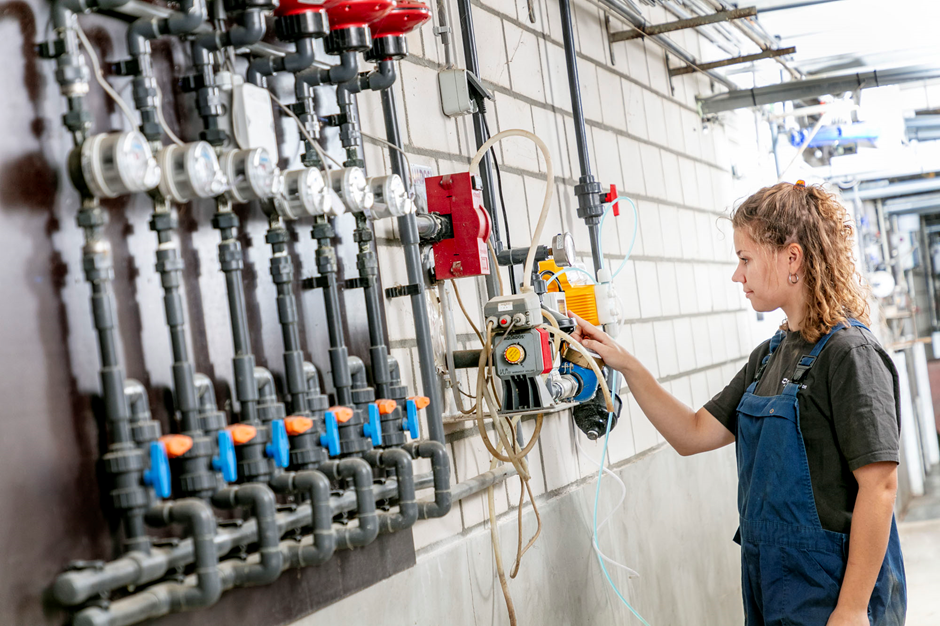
[793, 278]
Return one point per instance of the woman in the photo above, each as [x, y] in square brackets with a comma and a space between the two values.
[815, 420]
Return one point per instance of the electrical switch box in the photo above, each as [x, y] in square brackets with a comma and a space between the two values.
[456, 97]
[458, 197]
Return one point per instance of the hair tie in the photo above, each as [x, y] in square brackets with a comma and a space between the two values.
[800, 183]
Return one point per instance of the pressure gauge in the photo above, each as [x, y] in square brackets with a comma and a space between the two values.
[391, 199]
[252, 175]
[116, 164]
[351, 186]
[190, 171]
[304, 194]
[563, 250]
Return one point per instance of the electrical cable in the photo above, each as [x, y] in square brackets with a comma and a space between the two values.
[499, 275]
[303, 130]
[546, 202]
[99, 77]
[502, 202]
[162, 120]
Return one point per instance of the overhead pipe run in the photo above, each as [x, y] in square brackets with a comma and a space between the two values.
[812, 88]
[894, 190]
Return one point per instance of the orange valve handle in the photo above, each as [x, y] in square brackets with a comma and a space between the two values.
[176, 445]
[386, 407]
[421, 402]
[242, 433]
[343, 413]
[297, 425]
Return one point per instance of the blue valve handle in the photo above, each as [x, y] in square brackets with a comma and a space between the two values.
[225, 462]
[330, 439]
[373, 427]
[158, 476]
[279, 448]
[410, 423]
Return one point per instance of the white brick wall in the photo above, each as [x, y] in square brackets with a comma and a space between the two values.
[684, 318]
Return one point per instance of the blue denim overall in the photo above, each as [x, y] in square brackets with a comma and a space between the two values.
[791, 568]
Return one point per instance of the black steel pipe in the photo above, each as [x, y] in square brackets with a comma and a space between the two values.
[410, 241]
[472, 63]
[282, 271]
[588, 190]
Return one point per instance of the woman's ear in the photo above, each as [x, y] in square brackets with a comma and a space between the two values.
[795, 257]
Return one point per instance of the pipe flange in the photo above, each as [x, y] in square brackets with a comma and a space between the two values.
[198, 483]
[213, 421]
[124, 461]
[145, 432]
[308, 24]
[352, 39]
[363, 396]
[130, 498]
[388, 47]
[271, 412]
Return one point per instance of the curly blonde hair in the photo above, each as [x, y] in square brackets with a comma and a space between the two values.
[812, 217]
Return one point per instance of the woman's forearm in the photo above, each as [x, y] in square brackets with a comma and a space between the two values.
[868, 542]
[673, 419]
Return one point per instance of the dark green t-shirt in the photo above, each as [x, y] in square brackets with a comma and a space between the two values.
[849, 411]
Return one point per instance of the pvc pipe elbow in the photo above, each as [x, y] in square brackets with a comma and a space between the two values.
[249, 30]
[264, 379]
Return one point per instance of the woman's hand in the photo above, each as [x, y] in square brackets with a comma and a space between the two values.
[595, 339]
[845, 617]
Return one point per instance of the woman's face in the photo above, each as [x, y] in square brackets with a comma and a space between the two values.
[762, 273]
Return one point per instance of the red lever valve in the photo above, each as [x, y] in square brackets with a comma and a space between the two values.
[612, 197]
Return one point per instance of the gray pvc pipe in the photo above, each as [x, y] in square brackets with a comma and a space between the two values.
[357, 369]
[400, 461]
[361, 473]
[199, 521]
[264, 379]
[248, 29]
[141, 31]
[311, 378]
[205, 392]
[345, 71]
[320, 547]
[440, 468]
[137, 400]
[259, 499]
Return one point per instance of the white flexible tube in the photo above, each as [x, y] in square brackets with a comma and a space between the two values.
[549, 186]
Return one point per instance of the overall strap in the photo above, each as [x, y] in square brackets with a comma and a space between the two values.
[774, 342]
[807, 360]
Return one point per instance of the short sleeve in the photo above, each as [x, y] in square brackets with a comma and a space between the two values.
[724, 406]
[864, 411]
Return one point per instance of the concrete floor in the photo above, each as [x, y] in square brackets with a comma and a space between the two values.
[920, 542]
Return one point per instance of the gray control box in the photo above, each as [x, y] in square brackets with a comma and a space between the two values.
[520, 311]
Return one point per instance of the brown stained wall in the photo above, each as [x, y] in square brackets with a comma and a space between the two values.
[50, 493]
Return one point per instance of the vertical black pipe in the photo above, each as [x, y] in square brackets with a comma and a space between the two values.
[486, 164]
[124, 461]
[193, 472]
[282, 271]
[588, 190]
[326, 266]
[408, 229]
[368, 277]
[252, 462]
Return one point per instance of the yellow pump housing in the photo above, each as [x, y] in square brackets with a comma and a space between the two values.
[581, 299]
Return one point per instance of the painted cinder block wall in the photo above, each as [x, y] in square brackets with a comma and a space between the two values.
[686, 320]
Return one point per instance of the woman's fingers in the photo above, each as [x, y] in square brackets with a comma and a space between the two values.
[586, 330]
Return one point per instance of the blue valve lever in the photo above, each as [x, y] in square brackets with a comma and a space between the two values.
[158, 476]
[279, 448]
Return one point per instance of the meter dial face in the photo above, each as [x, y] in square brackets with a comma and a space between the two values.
[262, 173]
[563, 249]
[204, 171]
